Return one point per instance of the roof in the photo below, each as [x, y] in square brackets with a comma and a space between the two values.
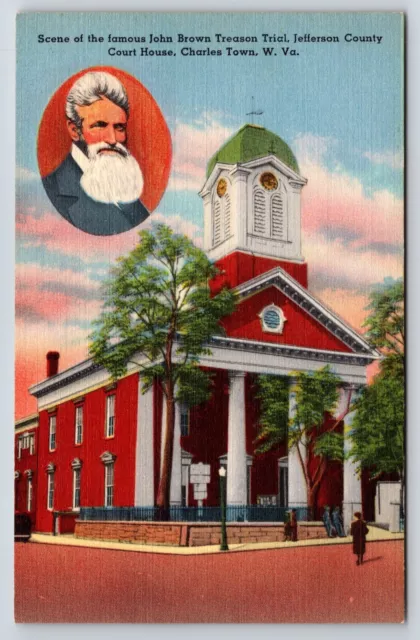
[250, 142]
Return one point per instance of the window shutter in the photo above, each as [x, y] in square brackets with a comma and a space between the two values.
[227, 215]
[277, 218]
[259, 212]
[217, 223]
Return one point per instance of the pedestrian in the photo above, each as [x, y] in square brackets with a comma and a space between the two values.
[326, 518]
[337, 521]
[287, 528]
[358, 531]
[294, 525]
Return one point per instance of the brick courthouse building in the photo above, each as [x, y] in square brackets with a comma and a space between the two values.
[99, 443]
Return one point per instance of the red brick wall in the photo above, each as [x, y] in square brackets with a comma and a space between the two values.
[191, 535]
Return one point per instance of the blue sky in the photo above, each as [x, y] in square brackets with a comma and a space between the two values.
[338, 105]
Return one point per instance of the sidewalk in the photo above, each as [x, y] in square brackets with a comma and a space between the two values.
[375, 535]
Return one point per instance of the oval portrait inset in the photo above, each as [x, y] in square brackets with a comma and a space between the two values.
[104, 151]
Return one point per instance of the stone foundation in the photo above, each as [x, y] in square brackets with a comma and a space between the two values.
[191, 534]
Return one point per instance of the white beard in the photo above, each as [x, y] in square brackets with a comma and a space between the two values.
[112, 178]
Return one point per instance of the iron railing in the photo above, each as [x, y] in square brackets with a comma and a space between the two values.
[237, 513]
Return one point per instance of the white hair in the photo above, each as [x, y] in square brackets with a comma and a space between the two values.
[92, 87]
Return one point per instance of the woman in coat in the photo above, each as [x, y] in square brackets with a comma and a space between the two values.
[358, 531]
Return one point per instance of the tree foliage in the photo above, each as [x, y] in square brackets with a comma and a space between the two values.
[305, 428]
[385, 325]
[378, 427]
[158, 313]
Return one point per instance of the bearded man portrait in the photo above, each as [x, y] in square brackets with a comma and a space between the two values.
[98, 186]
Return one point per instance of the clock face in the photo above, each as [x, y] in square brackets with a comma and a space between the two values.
[269, 181]
[221, 187]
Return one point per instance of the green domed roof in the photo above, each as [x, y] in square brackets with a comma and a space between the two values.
[251, 142]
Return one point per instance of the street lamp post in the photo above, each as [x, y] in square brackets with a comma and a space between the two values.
[222, 477]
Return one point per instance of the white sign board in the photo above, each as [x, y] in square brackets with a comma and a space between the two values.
[200, 473]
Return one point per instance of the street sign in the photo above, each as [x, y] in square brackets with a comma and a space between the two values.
[200, 473]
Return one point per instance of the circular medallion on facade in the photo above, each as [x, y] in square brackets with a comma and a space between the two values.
[268, 181]
[221, 187]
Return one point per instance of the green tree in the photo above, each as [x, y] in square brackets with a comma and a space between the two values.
[378, 427]
[159, 314]
[386, 326]
[306, 430]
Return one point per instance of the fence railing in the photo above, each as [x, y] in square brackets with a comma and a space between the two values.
[236, 513]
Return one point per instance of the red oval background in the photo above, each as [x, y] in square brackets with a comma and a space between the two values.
[149, 139]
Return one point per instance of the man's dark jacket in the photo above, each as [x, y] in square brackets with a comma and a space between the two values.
[65, 192]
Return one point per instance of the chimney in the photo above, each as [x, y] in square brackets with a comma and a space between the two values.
[52, 363]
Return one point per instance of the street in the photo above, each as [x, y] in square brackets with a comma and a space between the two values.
[307, 584]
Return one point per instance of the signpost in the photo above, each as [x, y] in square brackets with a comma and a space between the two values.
[200, 478]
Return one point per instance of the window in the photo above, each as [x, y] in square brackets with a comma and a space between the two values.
[32, 444]
[270, 208]
[184, 419]
[53, 427]
[221, 213]
[110, 416]
[76, 488]
[78, 436]
[29, 494]
[19, 448]
[109, 484]
[50, 491]
[272, 319]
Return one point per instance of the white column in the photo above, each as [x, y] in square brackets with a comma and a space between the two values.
[236, 457]
[175, 495]
[144, 481]
[298, 495]
[352, 485]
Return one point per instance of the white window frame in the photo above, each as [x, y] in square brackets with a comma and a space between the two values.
[20, 442]
[109, 484]
[282, 319]
[184, 412]
[52, 433]
[31, 444]
[78, 425]
[76, 488]
[50, 491]
[110, 417]
[29, 494]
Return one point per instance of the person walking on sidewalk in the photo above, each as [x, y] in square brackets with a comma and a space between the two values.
[337, 522]
[326, 518]
[358, 531]
[293, 525]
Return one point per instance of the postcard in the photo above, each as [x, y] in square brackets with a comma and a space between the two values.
[210, 388]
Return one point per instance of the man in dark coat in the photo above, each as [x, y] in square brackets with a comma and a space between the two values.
[358, 532]
[294, 525]
[337, 522]
[326, 519]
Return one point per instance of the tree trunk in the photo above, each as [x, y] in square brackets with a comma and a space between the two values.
[312, 496]
[164, 491]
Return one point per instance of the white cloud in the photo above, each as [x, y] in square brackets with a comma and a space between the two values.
[194, 144]
[388, 158]
[25, 175]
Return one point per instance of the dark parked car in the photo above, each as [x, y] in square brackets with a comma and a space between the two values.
[23, 526]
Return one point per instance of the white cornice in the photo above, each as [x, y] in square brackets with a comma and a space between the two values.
[248, 167]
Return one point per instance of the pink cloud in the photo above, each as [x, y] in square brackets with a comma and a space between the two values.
[194, 144]
[333, 199]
